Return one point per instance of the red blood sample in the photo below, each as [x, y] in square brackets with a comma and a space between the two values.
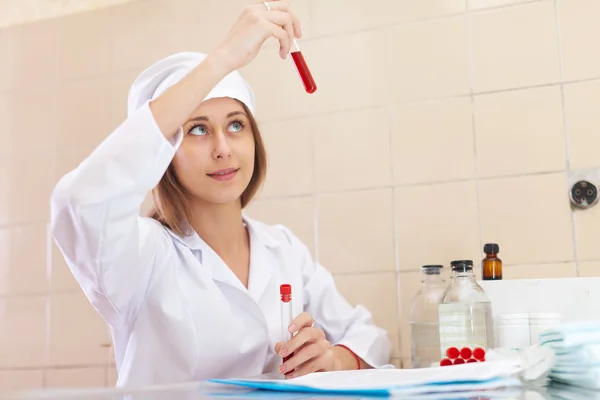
[452, 353]
[466, 353]
[307, 79]
[472, 360]
[445, 362]
[459, 361]
[479, 354]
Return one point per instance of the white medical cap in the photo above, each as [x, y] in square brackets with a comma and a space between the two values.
[163, 74]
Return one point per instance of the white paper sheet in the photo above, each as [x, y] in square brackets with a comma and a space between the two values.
[465, 377]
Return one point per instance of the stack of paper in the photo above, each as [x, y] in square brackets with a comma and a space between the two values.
[394, 382]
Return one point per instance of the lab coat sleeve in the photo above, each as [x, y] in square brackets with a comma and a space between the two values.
[342, 323]
[95, 218]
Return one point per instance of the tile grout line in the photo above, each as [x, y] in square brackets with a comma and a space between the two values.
[315, 198]
[46, 367]
[49, 259]
[313, 153]
[48, 304]
[472, 77]
[565, 130]
[33, 295]
[375, 272]
[409, 185]
[416, 270]
[22, 224]
[395, 240]
[538, 263]
[502, 7]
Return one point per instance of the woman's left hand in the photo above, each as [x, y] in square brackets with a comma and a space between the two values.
[311, 350]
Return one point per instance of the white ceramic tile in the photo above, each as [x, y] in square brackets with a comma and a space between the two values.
[520, 132]
[22, 332]
[529, 217]
[578, 21]
[356, 231]
[436, 224]
[583, 123]
[378, 296]
[514, 47]
[433, 142]
[352, 151]
[289, 147]
[427, 60]
[78, 335]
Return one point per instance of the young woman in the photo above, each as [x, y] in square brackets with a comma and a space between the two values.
[192, 292]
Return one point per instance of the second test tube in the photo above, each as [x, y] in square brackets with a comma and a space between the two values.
[286, 314]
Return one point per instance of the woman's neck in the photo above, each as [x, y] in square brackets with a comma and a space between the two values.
[221, 227]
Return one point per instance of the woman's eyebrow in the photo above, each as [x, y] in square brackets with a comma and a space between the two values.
[203, 118]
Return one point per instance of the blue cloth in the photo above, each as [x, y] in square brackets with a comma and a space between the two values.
[577, 350]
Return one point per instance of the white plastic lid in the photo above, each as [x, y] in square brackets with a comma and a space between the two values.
[545, 316]
[512, 319]
[514, 316]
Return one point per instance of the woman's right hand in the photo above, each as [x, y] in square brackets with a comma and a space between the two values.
[241, 45]
[254, 27]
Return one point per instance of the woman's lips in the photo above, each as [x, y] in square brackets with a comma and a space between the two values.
[224, 174]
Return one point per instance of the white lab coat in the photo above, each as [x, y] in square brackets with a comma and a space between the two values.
[175, 310]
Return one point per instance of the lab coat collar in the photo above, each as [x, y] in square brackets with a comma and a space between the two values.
[261, 232]
[255, 228]
[262, 260]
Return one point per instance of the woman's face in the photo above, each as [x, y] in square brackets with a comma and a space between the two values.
[215, 161]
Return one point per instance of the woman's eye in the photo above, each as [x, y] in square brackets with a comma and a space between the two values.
[236, 127]
[198, 130]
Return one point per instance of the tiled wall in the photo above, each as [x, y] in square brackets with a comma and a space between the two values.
[438, 125]
[13, 12]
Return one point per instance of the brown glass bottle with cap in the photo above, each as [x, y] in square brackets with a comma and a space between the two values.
[491, 265]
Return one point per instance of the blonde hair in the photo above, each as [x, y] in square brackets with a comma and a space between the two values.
[171, 199]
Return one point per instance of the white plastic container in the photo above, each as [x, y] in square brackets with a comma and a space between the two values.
[539, 322]
[518, 331]
[514, 332]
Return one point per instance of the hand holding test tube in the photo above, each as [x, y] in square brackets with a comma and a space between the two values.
[304, 347]
[301, 66]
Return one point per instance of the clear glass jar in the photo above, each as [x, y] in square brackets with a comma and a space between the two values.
[424, 327]
[465, 318]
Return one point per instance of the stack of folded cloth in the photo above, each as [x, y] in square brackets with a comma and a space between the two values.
[576, 347]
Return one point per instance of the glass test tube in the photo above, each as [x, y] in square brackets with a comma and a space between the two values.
[305, 75]
[286, 314]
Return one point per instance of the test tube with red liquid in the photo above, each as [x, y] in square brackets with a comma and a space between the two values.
[305, 75]
[286, 314]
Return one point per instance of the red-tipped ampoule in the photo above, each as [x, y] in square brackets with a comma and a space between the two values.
[307, 79]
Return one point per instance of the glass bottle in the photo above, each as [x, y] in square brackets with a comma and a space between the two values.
[491, 265]
[424, 327]
[465, 315]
